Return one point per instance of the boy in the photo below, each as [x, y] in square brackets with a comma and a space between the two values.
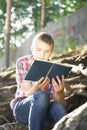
[37, 103]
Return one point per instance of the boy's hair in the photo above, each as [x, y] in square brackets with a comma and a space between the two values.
[45, 37]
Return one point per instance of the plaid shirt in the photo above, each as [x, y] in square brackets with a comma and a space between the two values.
[23, 64]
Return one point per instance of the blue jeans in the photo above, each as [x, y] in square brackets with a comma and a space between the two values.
[36, 110]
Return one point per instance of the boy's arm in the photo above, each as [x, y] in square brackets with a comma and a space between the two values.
[30, 89]
[20, 71]
[59, 89]
[20, 75]
[27, 86]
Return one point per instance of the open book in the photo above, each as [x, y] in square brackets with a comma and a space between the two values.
[44, 68]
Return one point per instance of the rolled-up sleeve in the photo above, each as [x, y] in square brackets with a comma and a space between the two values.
[20, 73]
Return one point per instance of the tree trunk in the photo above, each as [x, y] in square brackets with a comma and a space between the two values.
[7, 32]
[43, 13]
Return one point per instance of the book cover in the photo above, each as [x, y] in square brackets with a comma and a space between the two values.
[44, 68]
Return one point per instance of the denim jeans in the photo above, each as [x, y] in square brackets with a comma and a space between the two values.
[37, 110]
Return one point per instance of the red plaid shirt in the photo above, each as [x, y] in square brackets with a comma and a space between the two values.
[23, 64]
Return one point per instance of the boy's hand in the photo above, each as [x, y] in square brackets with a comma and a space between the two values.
[59, 86]
[42, 82]
[59, 89]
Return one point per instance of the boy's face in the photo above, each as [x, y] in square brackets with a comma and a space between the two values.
[42, 50]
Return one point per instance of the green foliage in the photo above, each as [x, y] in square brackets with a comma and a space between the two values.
[66, 41]
[1, 52]
[63, 45]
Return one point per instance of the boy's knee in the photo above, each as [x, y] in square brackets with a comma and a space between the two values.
[43, 98]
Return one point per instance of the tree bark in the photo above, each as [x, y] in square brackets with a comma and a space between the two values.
[43, 13]
[7, 32]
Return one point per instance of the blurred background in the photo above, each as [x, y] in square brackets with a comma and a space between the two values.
[65, 20]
